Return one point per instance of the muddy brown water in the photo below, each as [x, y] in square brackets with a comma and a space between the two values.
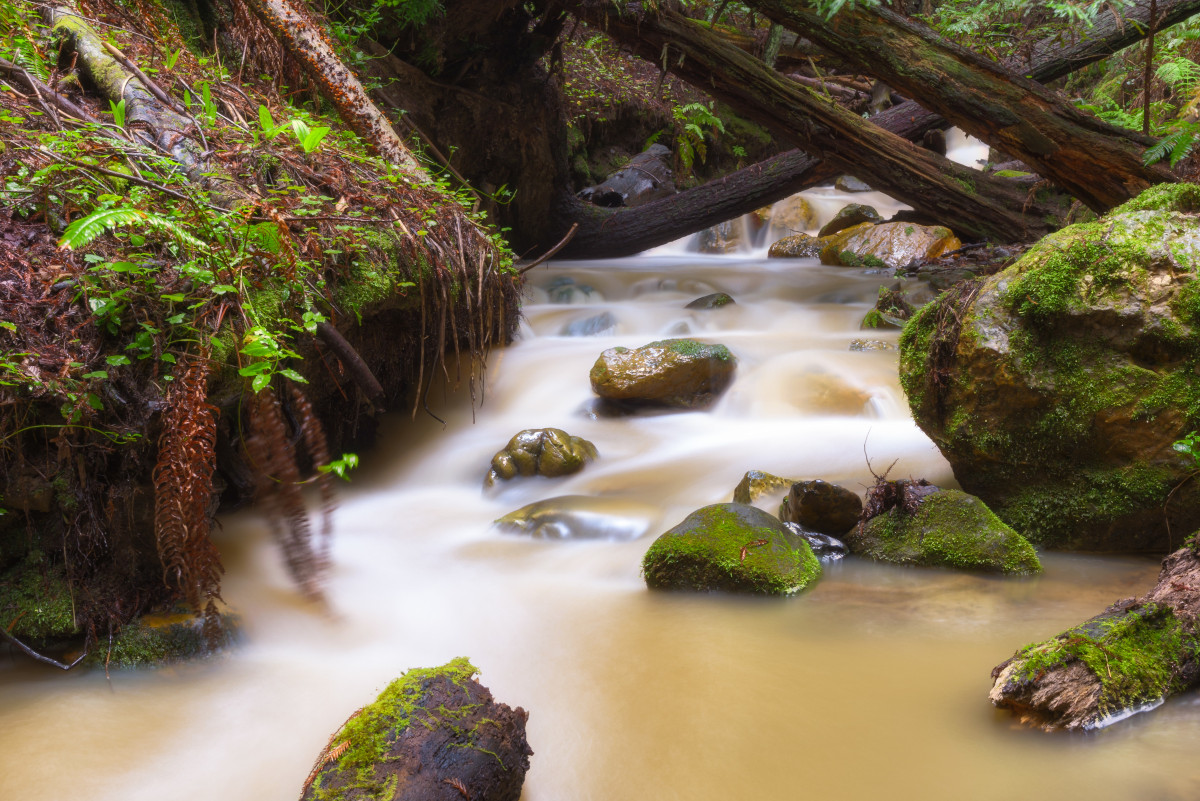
[873, 684]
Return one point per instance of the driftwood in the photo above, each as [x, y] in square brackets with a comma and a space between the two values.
[1128, 659]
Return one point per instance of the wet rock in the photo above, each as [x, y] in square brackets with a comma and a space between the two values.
[756, 483]
[580, 517]
[716, 300]
[723, 237]
[859, 345]
[821, 507]
[730, 547]
[596, 325]
[848, 183]
[947, 528]
[891, 310]
[434, 733]
[887, 245]
[646, 177]
[799, 246]
[564, 290]
[670, 372]
[793, 214]
[1057, 387]
[824, 547]
[549, 452]
[848, 217]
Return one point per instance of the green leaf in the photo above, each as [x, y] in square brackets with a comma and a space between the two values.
[260, 381]
[293, 375]
[96, 374]
[94, 401]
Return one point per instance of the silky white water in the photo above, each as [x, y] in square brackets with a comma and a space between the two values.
[870, 685]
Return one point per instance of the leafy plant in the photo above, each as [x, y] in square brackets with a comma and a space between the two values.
[118, 112]
[309, 138]
[695, 122]
[1190, 446]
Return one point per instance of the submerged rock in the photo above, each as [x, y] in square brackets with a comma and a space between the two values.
[730, 547]
[716, 300]
[597, 324]
[848, 217]
[566, 291]
[887, 245]
[580, 517]
[671, 372]
[1056, 388]
[821, 507]
[798, 246]
[435, 733]
[723, 237]
[549, 452]
[860, 345]
[948, 528]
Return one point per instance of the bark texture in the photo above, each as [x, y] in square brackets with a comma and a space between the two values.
[1096, 162]
[1127, 659]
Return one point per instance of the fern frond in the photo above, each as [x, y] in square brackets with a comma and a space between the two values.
[86, 229]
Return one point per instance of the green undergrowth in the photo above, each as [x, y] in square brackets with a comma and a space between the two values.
[36, 601]
[1136, 655]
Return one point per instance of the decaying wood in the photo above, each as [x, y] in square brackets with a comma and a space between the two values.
[359, 371]
[1073, 695]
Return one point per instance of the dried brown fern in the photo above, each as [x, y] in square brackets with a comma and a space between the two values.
[182, 490]
[278, 483]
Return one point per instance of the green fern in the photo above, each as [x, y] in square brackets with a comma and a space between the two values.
[1175, 145]
[85, 229]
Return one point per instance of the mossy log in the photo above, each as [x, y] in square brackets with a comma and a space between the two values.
[972, 203]
[1100, 164]
[1128, 659]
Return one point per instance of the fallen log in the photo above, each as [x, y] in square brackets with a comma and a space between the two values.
[1128, 659]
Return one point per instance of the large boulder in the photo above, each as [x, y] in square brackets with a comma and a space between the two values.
[797, 246]
[549, 452]
[434, 733]
[670, 372]
[892, 245]
[1056, 387]
[947, 528]
[730, 547]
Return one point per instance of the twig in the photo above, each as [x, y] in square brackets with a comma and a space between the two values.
[358, 368]
[42, 657]
[41, 89]
[562, 244]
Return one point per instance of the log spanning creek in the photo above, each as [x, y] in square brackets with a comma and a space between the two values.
[872, 684]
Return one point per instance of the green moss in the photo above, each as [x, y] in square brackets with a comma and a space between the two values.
[1011, 174]
[949, 528]
[374, 729]
[690, 347]
[1136, 655]
[730, 547]
[1183, 198]
[915, 341]
[36, 601]
[873, 319]
[160, 640]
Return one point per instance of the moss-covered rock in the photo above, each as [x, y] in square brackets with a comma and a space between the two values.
[797, 246]
[949, 528]
[887, 245]
[433, 733]
[716, 300]
[670, 372]
[549, 452]
[1057, 387]
[162, 639]
[730, 547]
[36, 602]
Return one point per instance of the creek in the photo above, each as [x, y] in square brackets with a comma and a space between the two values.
[872, 684]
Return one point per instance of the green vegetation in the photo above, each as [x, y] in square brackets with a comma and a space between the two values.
[36, 601]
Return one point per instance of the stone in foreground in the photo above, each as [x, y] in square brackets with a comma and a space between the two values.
[549, 452]
[730, 547]
[887, 245]
[797, 246]
[672, 372]
[434, 733]
[948, 528]
[821, 507]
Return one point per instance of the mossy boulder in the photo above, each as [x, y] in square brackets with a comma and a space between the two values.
[716, 300]
[434, 733]
[549, 452]
[821, 507]
[731, 547]
[670, 372]
[798, 246]
[1056, 387]
[849, 216]
[948, 528]
[889, 245]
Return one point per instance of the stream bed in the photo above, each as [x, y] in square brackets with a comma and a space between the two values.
[873, 684]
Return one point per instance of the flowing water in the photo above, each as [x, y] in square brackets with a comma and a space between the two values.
[871, 684]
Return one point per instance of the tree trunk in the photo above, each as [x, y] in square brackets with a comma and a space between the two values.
[1097, 162]
[1127, 659]
[605, 233]
[973, 204]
